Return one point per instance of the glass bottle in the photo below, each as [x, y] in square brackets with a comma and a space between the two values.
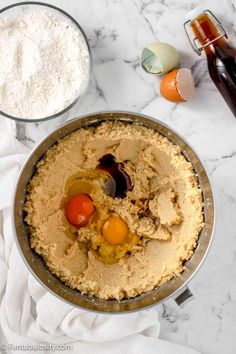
[207, 31]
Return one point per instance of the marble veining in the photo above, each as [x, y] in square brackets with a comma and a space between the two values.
[117, 31]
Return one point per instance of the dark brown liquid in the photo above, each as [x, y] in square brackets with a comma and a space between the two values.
[119, 183]
[221, 58]
[222, 69]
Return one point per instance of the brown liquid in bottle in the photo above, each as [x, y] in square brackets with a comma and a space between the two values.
[221, 58]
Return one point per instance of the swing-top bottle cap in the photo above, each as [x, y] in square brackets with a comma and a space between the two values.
[192, 14]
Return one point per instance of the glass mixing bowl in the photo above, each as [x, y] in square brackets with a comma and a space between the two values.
[16, 9]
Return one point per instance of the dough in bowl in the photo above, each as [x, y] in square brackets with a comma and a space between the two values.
[137, 237]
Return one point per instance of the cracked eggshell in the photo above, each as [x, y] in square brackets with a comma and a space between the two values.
[159, 58]
[177, 85]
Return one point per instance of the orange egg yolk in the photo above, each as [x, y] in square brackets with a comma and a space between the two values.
[79, 210]
[115, 230]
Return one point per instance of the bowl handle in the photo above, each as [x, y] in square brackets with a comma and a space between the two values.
[183, 296]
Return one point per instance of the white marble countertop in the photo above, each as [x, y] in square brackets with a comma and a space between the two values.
[117, 31]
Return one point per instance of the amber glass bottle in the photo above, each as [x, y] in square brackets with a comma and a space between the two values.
[221, 56]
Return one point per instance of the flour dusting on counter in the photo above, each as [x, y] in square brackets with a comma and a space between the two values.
[44, 64]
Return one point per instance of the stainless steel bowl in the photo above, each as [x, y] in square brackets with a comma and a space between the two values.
[16, 9]
[74, 297]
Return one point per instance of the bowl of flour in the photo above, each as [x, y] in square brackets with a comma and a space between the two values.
[45, 62]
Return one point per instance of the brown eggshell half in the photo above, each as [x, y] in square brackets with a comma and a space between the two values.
[177, 86]
[168, 87]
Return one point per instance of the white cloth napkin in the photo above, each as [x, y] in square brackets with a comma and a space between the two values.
[32, 317]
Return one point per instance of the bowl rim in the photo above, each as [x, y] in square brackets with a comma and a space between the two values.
[86, 84]
[179, 289]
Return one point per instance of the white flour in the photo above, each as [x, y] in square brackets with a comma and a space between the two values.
[44, 64]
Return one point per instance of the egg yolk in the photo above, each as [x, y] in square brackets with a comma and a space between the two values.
[79, 210]
[115, 230]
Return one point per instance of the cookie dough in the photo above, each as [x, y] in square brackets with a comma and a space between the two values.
[163, 211]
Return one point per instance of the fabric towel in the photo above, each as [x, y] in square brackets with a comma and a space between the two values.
[32, 317]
